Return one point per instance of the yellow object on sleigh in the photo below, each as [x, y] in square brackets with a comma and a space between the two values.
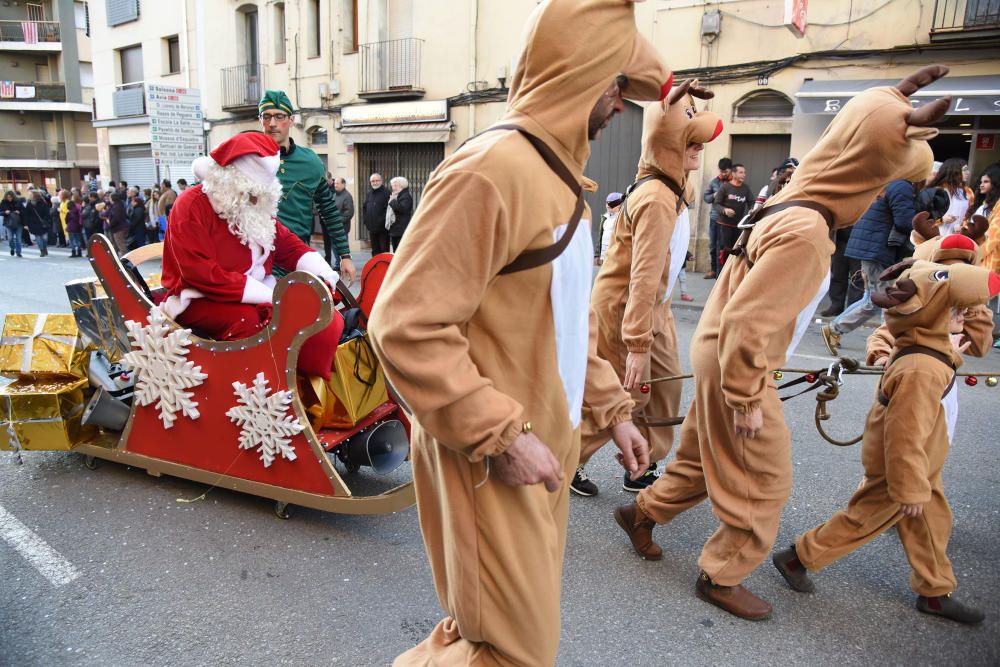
[355, 388]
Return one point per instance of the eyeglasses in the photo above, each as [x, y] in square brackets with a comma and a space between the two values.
[268, 117]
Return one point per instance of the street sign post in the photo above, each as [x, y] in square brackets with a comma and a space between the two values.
[175, 129]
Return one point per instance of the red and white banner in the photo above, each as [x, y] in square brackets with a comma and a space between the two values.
[30, 30]
[795, 16]
[6, 89]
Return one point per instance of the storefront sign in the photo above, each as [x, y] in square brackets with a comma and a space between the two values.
[986, 142]
[175, 127]
[424, 111]
[960, 106]
[970, 95]
[795, 16]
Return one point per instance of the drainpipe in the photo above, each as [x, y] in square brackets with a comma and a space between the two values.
[473, 68]
[187, 53]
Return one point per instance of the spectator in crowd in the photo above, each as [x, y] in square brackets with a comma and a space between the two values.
[375, 206]
[780, 176]
[112, 186]
[612, 206]
[843, 289]
[57, 230]
[345, 204]
[401, 205]
[869, 243]
[732, 201]
[950, 179]
[987, 204]
[74, 225]
[137, 221]
[88, 216]
[182, 185]
[167, 197]
[725, 171]
[118, 223]
[122, 188]
[38, 219]
[12, 209]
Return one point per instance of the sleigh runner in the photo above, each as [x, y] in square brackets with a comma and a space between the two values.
[236, 414]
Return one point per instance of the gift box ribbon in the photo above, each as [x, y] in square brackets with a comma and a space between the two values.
[38, 334]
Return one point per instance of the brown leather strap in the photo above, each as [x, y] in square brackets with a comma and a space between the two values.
[666, 180]
[740, 248]
[659, 422]
[530, 259]
[930, 352]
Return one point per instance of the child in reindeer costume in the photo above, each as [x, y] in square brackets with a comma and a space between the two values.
[735, 447]
[906, 439]
[631, 297]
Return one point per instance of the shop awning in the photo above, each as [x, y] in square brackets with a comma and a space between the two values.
[971, 95]
[392, 133]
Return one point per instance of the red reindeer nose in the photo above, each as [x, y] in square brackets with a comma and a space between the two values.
[718, 130]
[994, 284]
[665, 88]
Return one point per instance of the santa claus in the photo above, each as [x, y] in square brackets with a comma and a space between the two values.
[223, 242]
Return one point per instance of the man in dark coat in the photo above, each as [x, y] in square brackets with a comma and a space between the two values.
[375, 206]
[869, 242]
[118, 223]
[36, 218]
[401, 203]
[345, 204]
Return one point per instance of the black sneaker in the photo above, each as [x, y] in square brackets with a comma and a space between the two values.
[581, 484]
[646, 479]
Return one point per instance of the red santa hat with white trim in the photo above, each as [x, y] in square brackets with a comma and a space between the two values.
[254, 154]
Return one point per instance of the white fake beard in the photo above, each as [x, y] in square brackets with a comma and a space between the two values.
[229, 191]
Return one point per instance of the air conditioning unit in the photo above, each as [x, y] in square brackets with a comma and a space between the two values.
[711, 23]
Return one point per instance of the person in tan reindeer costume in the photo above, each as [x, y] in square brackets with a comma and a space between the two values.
[906, 439]
[631, 297]
[492, 355]
[977, 333]
[735, 447]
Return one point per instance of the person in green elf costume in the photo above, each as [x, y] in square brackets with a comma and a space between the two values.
[303, 181]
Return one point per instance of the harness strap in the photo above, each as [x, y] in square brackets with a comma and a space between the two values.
[531, 259]
[930, 352]
[740, 248]
[666, 180]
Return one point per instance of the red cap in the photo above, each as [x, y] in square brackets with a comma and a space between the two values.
[994, 284]
[958, 242]
[245, 143]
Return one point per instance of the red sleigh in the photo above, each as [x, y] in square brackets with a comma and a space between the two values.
[207, 449]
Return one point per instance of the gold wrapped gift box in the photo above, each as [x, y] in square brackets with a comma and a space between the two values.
[99, 322]
[43, 413]
[51, 344]
[356, 387]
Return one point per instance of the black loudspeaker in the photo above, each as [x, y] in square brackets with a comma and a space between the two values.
[383, 448]
[107, 411]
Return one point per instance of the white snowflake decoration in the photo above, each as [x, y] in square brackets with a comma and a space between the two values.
[264, 420]
[159, 355]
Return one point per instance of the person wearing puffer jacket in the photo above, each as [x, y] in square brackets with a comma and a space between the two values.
[893, 209]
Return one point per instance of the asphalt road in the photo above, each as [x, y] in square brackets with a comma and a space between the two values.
[146, 579]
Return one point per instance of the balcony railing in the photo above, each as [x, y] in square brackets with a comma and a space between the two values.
[29, 32]
[34, 91]
[32, 149]
[242, 86]
[129, 100]
[391, 69]
[965, 19]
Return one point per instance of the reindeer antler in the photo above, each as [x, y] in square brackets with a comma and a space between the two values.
[925, 226]
[930, 113]
[976, 228]
[678, 93]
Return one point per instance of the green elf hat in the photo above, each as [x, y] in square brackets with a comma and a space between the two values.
[275, 99]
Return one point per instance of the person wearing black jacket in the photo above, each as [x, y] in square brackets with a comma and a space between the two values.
[36, 217]
[118, 223]
[91, 222]
[374, 208]
[401, 202]
[11, 210]
[137, 224]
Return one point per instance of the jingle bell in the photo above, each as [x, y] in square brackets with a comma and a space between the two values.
[972, 380]
[991, 381]
[810, 377]
[778, 375]
[644, 388]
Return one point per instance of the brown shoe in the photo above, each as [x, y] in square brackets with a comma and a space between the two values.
[709, 276]
[639, 529]
[737, 600]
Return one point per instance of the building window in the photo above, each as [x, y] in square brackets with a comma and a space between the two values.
[122, 11]
[279, 32]
[252, 45]
[349, 23]
[81, 14]
[763, 105]
[131, 64]
[173, 45]
[312, 26]
[318, 136]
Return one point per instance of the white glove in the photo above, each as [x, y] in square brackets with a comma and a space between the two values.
[313, 263]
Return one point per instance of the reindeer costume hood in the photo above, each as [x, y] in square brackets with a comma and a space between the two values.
[917, 305]
[845, 174]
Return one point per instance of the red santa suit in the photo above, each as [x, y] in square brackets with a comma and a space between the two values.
[217, 271]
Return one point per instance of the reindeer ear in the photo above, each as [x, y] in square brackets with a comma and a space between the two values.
[976, 228]
[896, 270]
[902, 296]
[922, 77]
[924, 226]
[678, 93]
